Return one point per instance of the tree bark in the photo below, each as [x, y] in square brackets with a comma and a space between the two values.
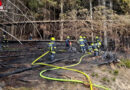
[99, 2]
[91, 16]
[105, 32]
[62, 25]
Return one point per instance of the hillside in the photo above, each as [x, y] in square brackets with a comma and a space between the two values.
[64, 44]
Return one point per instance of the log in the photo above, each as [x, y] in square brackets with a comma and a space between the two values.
[18, 71]
[33, 67]
[16, 55]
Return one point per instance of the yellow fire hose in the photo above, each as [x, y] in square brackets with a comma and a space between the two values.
[66, 68]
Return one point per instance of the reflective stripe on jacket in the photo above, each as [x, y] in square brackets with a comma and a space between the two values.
[96, 49]
[81, 42]
[52, 47]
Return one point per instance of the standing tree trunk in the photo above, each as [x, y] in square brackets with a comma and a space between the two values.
[99, 2]
[62, 31]
[105, 32]
[91, 16]
[111, 7]
[111, 4]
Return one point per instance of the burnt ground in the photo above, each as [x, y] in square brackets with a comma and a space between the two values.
[21, 56]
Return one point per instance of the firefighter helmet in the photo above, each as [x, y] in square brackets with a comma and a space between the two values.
[52, 38]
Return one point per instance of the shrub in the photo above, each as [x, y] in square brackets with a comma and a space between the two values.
[116, 72]
[125, 62]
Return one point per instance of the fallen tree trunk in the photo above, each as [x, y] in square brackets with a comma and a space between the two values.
[11, 36]
[109, 58]
[16, 55]
[18, 71]
[33, 67]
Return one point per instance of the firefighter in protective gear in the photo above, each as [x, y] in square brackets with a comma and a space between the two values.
[67, 42]
[92, 44]
[52, 48]
[4, 41]
[85, 42]
[97, 39]
[98, 45]
[82, 44]
[96, 52]
[95, 49]
[90, 48]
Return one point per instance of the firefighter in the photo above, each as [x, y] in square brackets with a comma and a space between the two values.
[67, 42]
[97, 39]
[52, 48]
[95, 49]
[85, 42]
[90, 48]
[4, 41]
[82, 44]
[99, 44]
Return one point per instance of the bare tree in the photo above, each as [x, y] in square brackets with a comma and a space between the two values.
[62, 31]
[91, 16]
[105, 32]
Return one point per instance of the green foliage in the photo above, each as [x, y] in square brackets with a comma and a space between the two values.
[51, 2]
[110, 72]
[122, 6]
[113, 79]
[127, 2]
[126, 62]
[82, 14]
[33, 4]
[94, 74]
[116, 72]
[105, 79]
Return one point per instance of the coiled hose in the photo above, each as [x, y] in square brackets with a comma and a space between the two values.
[66, 68]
